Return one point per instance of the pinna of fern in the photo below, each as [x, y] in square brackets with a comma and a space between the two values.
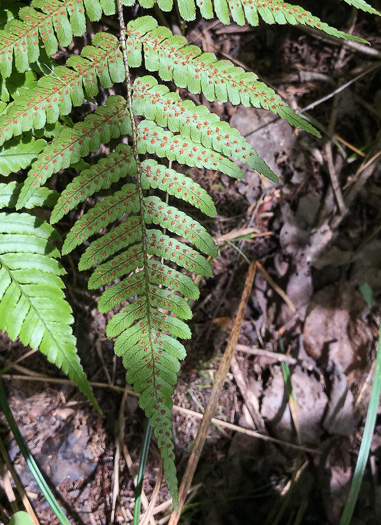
[53, 22]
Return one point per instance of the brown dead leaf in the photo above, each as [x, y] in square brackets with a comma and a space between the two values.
[334, 329]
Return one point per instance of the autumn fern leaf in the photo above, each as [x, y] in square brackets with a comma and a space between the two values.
[55, 95]
[200, 72]
[157, 103]
[158, 212]
[272, 12]
[32, 303]
[103, 213]
[119, 238]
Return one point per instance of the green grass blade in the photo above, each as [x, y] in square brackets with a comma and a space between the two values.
[142, 467]
[32, 465]
[366, 441]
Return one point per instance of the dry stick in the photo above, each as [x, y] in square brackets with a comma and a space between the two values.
[151, 507]
[28, 507]
[276, 288]
[248, 396]
[134, 475]
[215, 394]
[118, 444]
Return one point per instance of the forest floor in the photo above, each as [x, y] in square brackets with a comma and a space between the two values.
[317, 235]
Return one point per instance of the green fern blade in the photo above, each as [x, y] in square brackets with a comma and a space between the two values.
[124, 319]
[32, 303]
[9, 194]
[177, 281]
[21, 243]
[117, 267]
[279, 12]
[154, 175]
[152, 362]
[22, 223]
[364, 6]
[164, 246]
[105, 212]
[33, 262]
[172, 325]
[120, 237]
[163, 143]
[187, 9]
[158, 212]
[118, 293]
[197, 123]
[100, 176]
[55, 95]
[72, 144]
[20, 39]
[162, 298]
[16, 155]
[200, 72]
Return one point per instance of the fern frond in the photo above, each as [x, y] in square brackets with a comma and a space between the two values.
[55, 96]
[188, 67]
[32, 304]
[19, 154]
[100, 176]
[9, 194]
[154, 139]
[157, 103]
[119, 238]
[107, 122]
[364, 6]
[50, 22]
[103, 213]
[152, 361]
[243, 11]
[154, 175]
[158, 212]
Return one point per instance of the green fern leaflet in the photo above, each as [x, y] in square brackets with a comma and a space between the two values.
[32, 303]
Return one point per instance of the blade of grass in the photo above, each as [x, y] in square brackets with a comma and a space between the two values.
[142, 467]
[366, 441]
[30, 461]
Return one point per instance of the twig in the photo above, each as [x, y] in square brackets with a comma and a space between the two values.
[335, 92]
[249, 398]
[151, 507]
[216, 390]
[118, 445]
[273, 355]
[134, 476]
[276, 288]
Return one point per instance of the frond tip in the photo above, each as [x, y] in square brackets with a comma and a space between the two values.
[32, 303]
